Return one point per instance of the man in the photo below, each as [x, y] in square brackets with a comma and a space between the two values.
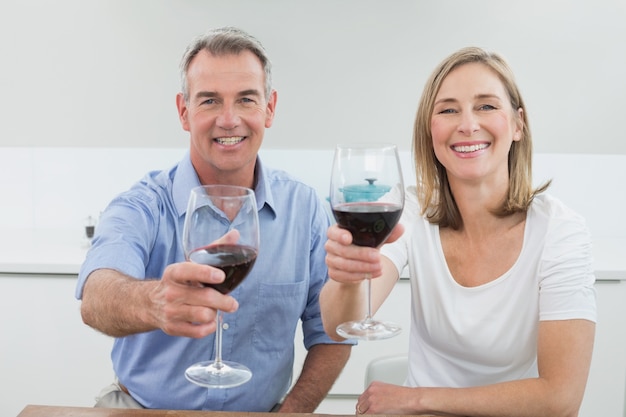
[136, 286]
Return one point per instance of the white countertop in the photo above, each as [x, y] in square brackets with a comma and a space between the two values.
[610, 258]
[51, 251]
[41, 251]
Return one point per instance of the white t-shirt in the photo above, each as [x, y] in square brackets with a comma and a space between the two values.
[462, 336]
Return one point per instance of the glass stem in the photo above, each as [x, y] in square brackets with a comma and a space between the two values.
[218, 364]
[368, 317]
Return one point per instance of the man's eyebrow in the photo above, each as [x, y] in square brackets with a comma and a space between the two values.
[250, 92]
[243, 93]
[203, 94]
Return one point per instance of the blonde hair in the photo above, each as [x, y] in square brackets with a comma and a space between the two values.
[435, 197]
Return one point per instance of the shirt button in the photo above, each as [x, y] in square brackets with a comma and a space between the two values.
[225, 326]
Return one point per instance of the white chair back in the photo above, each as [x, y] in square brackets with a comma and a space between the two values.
[392, 369]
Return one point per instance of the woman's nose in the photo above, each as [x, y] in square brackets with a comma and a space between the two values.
[468, 123]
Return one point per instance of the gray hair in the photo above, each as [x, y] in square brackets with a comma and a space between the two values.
[225, 41]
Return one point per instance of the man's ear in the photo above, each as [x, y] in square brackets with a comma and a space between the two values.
[183, 111]
[270, 109]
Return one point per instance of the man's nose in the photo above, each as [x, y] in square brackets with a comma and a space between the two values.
[228, 118]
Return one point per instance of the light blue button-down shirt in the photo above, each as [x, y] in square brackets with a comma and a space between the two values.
[140, 233]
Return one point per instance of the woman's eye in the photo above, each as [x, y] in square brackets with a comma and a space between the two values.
[487, 107]
[446, 111]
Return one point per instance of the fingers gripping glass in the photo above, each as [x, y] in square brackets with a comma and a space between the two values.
[222, 230]
[367, 198]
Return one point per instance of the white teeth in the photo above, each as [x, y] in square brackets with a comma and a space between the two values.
[470, 148]
[229, 141]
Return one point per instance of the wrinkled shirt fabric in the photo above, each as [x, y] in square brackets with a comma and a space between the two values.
[140, 234]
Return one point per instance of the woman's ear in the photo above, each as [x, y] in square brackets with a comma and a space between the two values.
[519, 130]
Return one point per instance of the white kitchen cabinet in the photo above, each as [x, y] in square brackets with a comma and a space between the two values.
[604, 395]
[47, 355]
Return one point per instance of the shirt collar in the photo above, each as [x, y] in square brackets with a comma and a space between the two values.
[186, 178]
[263, 190]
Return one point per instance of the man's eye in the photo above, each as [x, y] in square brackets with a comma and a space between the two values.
[247, 100]
[209, 101]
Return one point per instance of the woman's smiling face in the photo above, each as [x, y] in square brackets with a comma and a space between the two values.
[473, 124]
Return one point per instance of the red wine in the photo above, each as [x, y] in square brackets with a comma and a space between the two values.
[235, 260]
[369, 223]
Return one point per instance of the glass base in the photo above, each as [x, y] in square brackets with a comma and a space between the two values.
[368, 330]
[206, 374]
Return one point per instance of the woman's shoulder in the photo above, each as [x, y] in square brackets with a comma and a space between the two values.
[550, 213]
[552, 207]
[412, 218]
[411, 197]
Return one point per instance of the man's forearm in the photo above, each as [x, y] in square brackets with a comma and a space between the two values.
[112, 304]
[322, 366]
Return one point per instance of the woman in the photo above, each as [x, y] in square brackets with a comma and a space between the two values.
[503, 303]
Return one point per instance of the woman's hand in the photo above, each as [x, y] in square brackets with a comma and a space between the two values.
[382, 398]
[348, 263]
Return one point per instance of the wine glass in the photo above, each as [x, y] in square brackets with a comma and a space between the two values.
[367, 198]
[222, 230]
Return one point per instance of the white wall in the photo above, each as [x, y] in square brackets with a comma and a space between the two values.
[57, 188]
[104, 73]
